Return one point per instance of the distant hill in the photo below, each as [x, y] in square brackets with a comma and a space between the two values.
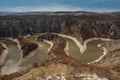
[59, 13]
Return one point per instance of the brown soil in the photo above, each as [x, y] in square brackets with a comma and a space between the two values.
[1, 48]
[27, 46]
[59, 62]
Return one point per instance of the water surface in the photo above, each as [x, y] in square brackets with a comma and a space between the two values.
[92, 53]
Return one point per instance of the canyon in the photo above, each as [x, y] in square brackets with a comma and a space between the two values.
[53, 28]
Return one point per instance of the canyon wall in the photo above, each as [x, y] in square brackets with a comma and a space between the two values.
[80, 26]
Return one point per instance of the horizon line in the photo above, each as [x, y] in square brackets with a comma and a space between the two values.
[60, 8]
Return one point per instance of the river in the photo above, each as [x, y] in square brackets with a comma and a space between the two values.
[92, 53]
[13, 55]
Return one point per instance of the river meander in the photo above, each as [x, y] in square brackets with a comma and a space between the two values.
[91, 54]
[13, 55]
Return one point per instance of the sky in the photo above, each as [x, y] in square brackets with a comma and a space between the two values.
[59, 5]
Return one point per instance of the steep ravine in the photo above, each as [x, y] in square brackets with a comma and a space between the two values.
[81, 27]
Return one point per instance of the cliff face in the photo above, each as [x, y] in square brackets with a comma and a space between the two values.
[79, 26]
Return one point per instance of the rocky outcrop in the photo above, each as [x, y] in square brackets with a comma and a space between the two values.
[3, 54]
[112, 57]
[27, 49]
[47, 36]
[80, 26]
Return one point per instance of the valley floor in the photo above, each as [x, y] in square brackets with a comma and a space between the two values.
[59, 66]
